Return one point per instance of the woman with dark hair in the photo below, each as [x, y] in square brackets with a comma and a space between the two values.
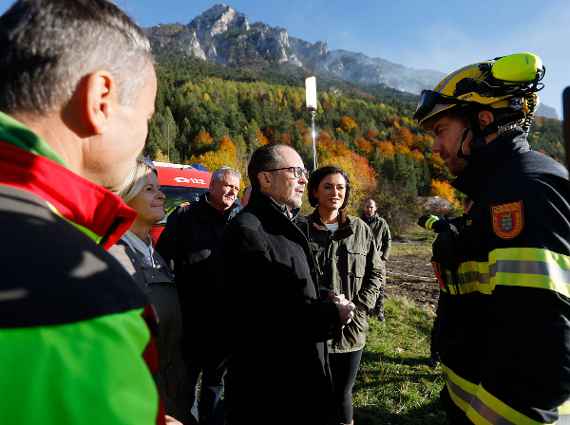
[349, 267]
[150, 272]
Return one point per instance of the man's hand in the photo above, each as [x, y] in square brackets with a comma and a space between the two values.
[345, 308]
[171, 421]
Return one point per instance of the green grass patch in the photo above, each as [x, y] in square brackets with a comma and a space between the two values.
[396, 384]
[398, 249]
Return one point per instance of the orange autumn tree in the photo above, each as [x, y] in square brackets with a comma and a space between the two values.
[225, 155]
[444, 190]
[362, 176]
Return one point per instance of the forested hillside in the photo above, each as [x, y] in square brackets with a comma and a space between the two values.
[215, 115]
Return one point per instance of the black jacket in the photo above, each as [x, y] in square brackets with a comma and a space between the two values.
[278, 370]
[506, 333]
[191, 238]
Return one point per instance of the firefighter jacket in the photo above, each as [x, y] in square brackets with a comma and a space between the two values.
[505, 343]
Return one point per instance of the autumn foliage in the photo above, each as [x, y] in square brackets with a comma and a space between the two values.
[444, 190]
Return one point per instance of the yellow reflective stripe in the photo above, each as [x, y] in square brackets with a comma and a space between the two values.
[474, 277]
[481, 406]
[460, 389]
[429, 222]
[500, 413]
[564, 409]
[531, 267]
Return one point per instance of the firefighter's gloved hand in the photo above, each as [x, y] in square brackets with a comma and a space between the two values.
[428, 220]
[436, 224]
[423, 220]
[442, 225]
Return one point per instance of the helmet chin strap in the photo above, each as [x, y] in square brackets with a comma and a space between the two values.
[478, 141]
[460, 153]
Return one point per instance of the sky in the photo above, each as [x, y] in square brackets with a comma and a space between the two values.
[442, 35]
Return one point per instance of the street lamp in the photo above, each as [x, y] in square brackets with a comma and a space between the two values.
[311, 99]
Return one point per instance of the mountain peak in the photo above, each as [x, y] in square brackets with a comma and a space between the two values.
[217, 20]
[217, 11]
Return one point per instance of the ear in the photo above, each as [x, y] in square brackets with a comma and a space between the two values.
[485, 118]
[101, 96]
[264, 179]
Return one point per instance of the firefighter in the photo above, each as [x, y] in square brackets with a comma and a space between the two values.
[505, 343]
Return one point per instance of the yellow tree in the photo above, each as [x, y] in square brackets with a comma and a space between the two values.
[225, 155]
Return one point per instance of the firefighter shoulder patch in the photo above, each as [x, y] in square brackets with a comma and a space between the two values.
[508, 219]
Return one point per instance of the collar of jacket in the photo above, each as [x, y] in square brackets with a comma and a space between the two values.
[345, 224]
[205, 207]
[488, 159]
[370, 220]
[28, 163]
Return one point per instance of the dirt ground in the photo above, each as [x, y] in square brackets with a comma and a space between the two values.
[409, 273]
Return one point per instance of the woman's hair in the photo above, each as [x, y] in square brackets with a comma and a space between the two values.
[318, 175]
[136, 180]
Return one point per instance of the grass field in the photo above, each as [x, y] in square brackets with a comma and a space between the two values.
[396, 385]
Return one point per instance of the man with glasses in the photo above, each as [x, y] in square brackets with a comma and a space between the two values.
[192, 236]
[277, 325]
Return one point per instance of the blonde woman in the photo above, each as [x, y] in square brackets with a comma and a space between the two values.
[150, 272]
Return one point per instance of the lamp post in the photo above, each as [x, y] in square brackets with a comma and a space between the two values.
[566, 118]
[311, 101]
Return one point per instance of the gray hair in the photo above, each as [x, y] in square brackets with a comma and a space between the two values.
[136, 180]
[219, 174]
[48, 46]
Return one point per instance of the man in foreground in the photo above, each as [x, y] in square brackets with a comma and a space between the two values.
[77, 88]
[505, 331]
[277, 326]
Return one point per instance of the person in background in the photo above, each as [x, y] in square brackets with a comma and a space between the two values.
[135, 252]
[505, 349]
[77, 90]
[350, 267]
[191, 239]
[276, 323]
[383, 237]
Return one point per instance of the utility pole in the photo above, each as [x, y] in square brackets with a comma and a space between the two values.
[311, 99]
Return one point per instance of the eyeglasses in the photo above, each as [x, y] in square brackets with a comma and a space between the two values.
[428, 100]
[298, 172]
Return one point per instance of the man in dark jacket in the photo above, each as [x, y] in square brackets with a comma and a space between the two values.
[381, 232]
[77, 89]
[277, 325]
[505, 340]
[192, 236]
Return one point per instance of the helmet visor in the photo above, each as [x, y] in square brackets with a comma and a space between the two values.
[429, 99]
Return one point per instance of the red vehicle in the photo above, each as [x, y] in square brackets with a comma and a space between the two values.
[180, 183]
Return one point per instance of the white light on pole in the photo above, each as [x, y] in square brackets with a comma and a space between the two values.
[311, 99]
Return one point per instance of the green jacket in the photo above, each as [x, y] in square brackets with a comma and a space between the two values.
[381, 232]
[350, 264]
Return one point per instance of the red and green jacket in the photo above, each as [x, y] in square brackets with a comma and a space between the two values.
[75, 331]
